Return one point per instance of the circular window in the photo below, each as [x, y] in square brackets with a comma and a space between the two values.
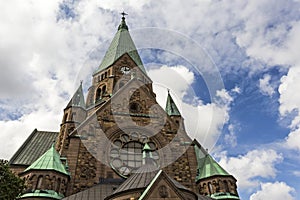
[134, 107]
[126, 154]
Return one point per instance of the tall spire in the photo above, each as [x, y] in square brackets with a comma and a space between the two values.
[122, 43]
[171, 107]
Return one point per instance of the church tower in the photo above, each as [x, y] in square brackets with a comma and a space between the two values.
[74, 114]
[107, 143]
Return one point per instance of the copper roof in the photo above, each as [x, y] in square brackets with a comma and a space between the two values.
[122, 43]
[49, 161]
[171, 107]
[35, 145]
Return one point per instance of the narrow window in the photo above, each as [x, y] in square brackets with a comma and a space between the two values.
[210, 189]
[98, 94]
[39, 182]
[58, 185]
[226, 186]
[65, 117]
[103, 90]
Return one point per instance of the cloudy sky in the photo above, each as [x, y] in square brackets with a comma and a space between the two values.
[232, 66]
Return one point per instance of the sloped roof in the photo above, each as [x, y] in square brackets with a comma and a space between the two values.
[50, 160]
[34, 146]
[171, 108]
[78, 98]
[140, 179]
[122, 43]
[210, 168]
[97, 192]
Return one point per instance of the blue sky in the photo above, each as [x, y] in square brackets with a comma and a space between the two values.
[233, 68]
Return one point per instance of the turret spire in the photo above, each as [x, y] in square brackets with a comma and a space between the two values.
[78, 98]
[171, 107]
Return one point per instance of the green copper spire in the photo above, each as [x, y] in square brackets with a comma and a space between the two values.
[209, 167]
[147, 155]
[122, 43]
[78, 98]
[171, 107]
[49, 161]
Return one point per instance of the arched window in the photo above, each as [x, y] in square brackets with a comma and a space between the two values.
[102, 77]
[39, 182]
[103, 90]
[105, 75]
[65, 117]
[210, 188]
[204, 189]
[98, 94]
[134, 107]
[226, 187]
[58, 185]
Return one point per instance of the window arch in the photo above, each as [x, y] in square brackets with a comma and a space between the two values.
[103, 90]
[210, 188]
[39, 182]
[98, 94]
[58, 185]
[226, 187]
[65, 117]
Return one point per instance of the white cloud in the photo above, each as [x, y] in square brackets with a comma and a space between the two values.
[290, 101]
[236, 90]
[265, 86]
[249, 167]
[292, 140]
[203, 121]
[274, 191]
[230, 138]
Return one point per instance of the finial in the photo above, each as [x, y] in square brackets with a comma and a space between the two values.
[123, 14]
[123, 23]
[81, 82]
[168, 90]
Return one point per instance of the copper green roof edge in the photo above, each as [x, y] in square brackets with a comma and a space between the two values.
[150, 185]
[45, 193]
[50, 160]
[171, 107]
[224, 195]
[122, 43]
[78, 98]
[210, 168]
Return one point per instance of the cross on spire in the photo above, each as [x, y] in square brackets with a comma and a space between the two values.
[123, 14]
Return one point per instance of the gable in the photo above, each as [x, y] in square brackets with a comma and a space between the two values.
[163, 187]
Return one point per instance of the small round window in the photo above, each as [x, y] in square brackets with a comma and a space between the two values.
[134, 107]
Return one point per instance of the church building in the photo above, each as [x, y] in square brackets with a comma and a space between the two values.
[118, 143]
